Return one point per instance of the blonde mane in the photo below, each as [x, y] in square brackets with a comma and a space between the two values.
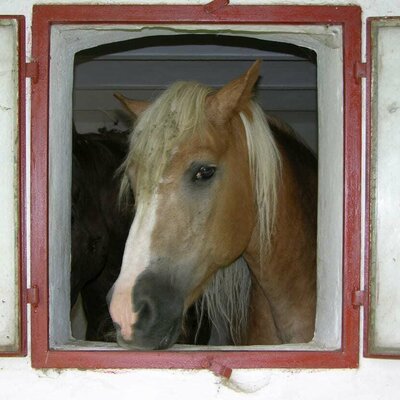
[180, 112]
[265, 166]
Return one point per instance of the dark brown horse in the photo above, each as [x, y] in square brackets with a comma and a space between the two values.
[215, 183]
[99, 227]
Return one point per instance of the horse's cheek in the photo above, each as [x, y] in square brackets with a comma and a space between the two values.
[238, 221]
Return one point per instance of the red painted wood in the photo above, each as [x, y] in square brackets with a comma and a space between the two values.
[21, 239]
[352, 186]
[349, 17]
[39, 190]
[193, 359]
[369, 195]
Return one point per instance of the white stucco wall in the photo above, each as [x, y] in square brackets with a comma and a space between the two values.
[374, 379]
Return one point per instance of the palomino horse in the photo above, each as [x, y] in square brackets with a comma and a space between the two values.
[99, 229]
[215, 184]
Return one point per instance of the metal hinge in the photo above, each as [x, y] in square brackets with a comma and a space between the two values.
[360, 70]
[32, 296]
[32, 71]
[358, 298]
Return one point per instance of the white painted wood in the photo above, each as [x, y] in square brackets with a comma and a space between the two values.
[9, 223]
[60, 177]
[385, 289]
[330, 194]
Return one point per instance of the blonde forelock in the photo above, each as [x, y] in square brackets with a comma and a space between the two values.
[178, 113]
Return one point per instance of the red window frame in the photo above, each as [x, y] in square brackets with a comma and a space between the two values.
[349, 17]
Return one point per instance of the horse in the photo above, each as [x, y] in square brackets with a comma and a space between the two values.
[218, 187]
[99, 228]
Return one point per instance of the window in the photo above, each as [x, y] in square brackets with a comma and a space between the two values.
[333, 34]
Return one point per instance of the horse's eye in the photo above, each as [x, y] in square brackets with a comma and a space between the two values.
[204, 172]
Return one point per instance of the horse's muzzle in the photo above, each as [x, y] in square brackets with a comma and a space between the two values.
[159, 306]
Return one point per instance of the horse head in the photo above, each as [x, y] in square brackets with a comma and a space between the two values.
[190, 172]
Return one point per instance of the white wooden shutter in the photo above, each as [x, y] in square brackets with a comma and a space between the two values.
[384, 267]
[11, 275]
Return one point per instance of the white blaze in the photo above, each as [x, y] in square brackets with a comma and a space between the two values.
[135, 260]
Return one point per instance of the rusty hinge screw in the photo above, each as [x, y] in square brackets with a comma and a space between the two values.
[358, 298]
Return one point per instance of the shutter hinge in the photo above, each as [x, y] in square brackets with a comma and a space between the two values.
[32, 296]
[360, 70]
[32, 71]
[358, 298]
[215, 5]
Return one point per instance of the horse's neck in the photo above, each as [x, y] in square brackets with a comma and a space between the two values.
[283, 294]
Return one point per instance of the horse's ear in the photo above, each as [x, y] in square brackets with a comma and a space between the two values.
[233, 97]
[135, 107]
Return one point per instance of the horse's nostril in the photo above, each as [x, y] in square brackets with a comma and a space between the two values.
[147, 311]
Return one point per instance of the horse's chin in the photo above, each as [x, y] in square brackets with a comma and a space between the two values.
[154, 341]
